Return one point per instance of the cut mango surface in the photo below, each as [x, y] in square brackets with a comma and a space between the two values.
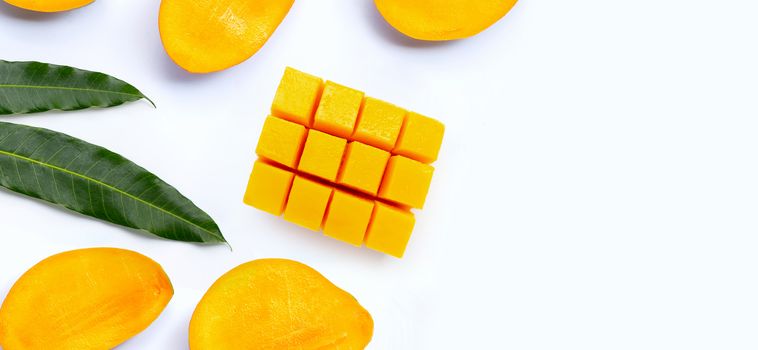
[268, 188]
[390, 230]
[439, 20]
[322, 155]
[278, 304]
[338, 110]
[363, 167]
[281, 142]
[406, 182]
[307, 203]
[379, 124]
[348, 217]
[297, 97]
[204, 36]
[420, 138]
[49, 5]
[87, 299]
[351, 165]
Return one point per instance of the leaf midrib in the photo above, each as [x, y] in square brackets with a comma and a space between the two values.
[14, 155]
[66, 88]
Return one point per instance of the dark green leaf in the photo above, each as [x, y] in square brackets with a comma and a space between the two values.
[30, 87]
[97, 182]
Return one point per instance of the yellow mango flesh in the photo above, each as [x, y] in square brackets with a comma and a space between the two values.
[307, 203]
[439, 20]
[204, 36]
[344, 179]
[49, 5]
[406, 182]
[322, 155]
[278, 304]
[83, 300]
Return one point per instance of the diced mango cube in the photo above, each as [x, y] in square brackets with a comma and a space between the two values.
[420, 138]
[348, 217]
[406, 181]
[307, 203]
[322, 155]
[268, 188]
[281, 141]
[297, 97]
[363, 167]
[390, 229]
[338, 110]
[379, 124]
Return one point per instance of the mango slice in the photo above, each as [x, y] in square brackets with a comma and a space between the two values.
[440, 20]
[83, 300]
[204, 36]
[49, 5]
[278, 304]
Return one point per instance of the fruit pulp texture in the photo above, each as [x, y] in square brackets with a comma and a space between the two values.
[336, 160]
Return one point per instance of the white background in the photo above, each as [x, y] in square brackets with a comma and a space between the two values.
[597, 187]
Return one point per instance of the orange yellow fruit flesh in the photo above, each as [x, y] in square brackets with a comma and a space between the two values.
[322, 155]
[268, 188]
[379, 124]
[88, 299]
[390, 230]
[440, 20]
[344, 184]
[348, 217]
[281, 142]
[363, 168]
[406, 182]
[49, 5]
[420, 138]
[297, 97]
[338, 110]
[307, 203]
[204, 36]
[278, 304]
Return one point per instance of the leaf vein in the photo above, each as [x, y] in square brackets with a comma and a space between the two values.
[86, 178]
[65, 88]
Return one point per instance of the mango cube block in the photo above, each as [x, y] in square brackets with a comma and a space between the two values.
[281, 141]
[420, 138]
[297, 97]
[348, 217]
[307, 203]
[268, 188]
[333, 159]
[390, 230]
[322, 155]
[338, 110]
[363, 167]
[406, 181]
[379, 124]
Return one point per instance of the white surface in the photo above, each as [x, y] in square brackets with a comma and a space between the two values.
[596, 189]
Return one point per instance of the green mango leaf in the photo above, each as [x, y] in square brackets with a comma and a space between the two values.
[31, 87]
[96, 182]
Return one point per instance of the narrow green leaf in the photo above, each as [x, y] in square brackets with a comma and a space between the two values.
[31, 87]
[96, 182]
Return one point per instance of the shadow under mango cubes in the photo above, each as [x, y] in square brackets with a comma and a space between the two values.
[333, 159]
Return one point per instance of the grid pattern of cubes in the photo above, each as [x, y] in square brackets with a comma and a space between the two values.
[331, 158]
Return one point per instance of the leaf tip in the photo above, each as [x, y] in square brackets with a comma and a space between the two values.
[149, 100]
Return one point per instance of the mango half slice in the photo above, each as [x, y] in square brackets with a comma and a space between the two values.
[440, 20]
[49, 5]
[278, 304]
[89, 299]
[204, 36]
